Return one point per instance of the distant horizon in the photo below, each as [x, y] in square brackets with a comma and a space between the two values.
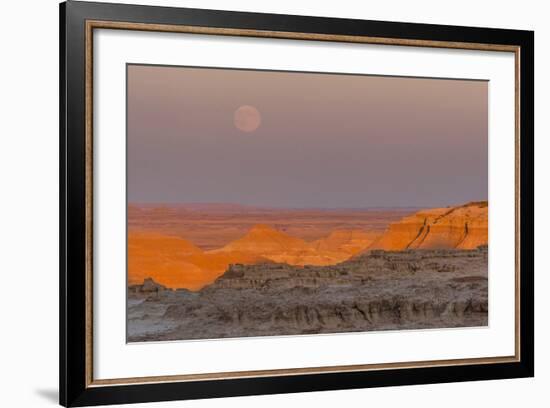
[263, 207]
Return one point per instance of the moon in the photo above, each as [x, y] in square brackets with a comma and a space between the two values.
[247, 118]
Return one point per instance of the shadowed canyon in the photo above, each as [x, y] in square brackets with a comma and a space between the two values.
[217, 270]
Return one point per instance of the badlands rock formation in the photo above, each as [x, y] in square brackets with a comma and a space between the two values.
[275, 245]
[345, 243]
[462, 227]
[162, 258]
[378, 290]
[264, 241]
[176, 263]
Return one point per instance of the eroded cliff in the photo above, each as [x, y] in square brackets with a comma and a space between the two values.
[461, 227]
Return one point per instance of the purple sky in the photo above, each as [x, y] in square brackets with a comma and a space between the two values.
[324, 141]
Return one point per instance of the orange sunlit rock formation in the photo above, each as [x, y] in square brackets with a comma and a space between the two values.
[163, 258]
[461, 227]
[267, 242]
[346, 243]
[177, 263]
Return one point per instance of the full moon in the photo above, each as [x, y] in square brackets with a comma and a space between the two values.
[247, 118]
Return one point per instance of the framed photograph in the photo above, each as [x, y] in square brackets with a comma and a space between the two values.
[257, 203]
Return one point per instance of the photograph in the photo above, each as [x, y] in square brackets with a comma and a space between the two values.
[283, 203]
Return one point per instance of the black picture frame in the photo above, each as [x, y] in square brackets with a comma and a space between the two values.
[75, 388]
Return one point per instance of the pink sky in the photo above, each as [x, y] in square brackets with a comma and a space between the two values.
[324, 140]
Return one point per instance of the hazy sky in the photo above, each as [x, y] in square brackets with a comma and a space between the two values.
[323, 140]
